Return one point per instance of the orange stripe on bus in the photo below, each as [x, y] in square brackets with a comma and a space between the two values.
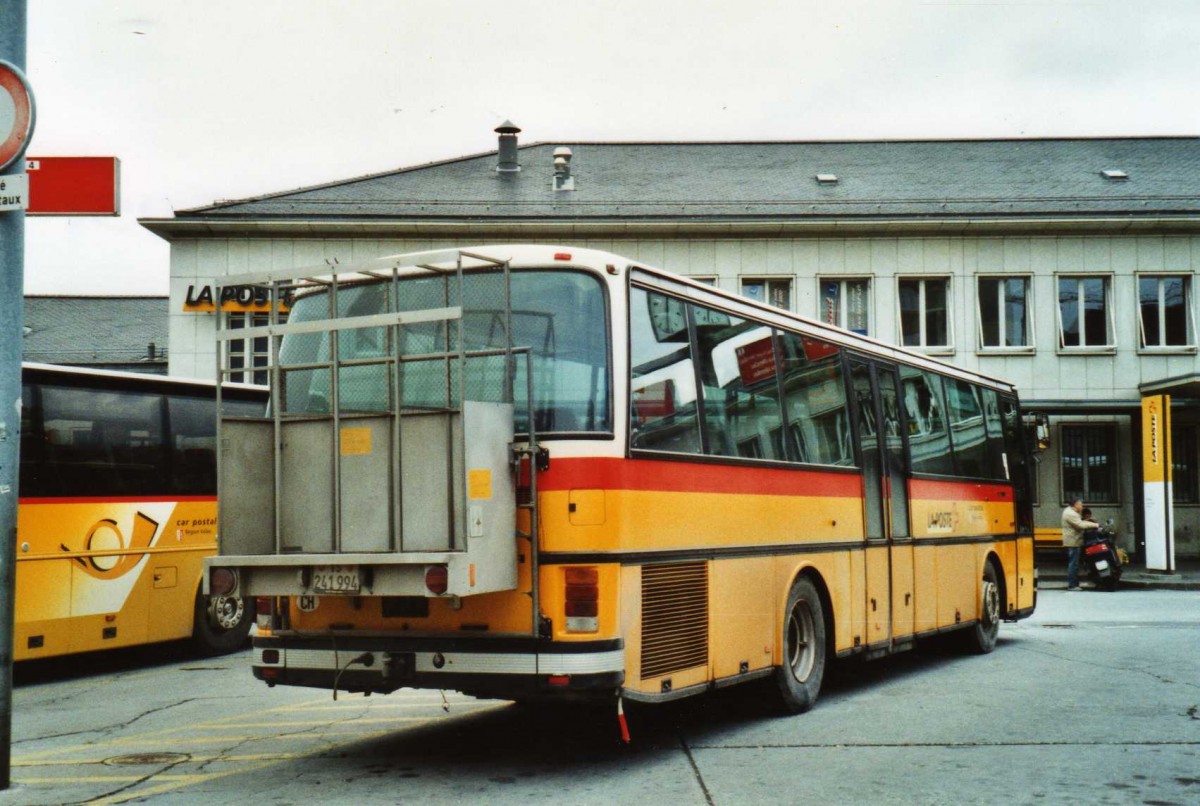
[685, 476]
[954, 490]
[108, 499]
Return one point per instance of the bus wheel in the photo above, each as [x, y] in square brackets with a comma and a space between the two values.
[221, 624]
[981, 638]
[799, 677]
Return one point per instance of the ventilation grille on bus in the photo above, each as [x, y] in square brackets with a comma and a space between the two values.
[674, 618]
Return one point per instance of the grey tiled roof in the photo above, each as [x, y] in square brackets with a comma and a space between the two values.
[730, 181]
[95, 330]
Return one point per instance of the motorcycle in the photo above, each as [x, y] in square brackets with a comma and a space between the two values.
[1102, 559]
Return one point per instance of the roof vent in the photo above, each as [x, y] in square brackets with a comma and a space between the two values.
[1114, 174]
[507, 162]
[562, 170]
[827, 179]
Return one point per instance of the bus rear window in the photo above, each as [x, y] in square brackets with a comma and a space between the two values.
[560, 316]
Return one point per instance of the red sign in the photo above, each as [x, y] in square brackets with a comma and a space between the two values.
[815, 349]
[16, 113]
[74, 185]
[756, 361]
[655, 401]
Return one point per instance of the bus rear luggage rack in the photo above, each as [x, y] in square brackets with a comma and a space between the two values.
[390, 432]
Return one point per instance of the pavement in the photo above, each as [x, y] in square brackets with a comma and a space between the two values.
[1052, 574]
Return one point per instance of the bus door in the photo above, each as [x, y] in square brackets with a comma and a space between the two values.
[889, 573]
[895, 454]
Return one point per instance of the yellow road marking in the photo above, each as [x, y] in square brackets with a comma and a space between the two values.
[310, 722]
[82, 762]
[381, 706]
[163, 732]
[104, 779]
[193, 740]
[242, 764]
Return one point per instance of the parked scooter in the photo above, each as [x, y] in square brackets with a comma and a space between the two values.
[1101, 559]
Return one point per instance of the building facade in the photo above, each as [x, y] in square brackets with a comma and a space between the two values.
[1065, 266]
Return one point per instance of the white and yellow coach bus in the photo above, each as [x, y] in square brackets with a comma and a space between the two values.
[650, 488]
[117, 510]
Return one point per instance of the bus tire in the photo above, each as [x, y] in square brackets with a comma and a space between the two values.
[798, 678]
[221, 625]
[980, 638]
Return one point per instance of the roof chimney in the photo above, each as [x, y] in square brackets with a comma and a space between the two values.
[562, 170]
[507, 162]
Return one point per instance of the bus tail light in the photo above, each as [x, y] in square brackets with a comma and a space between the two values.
[222, 582]
[582, 599]
[264, 609]
[437, 579]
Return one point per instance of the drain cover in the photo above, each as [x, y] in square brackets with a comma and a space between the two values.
[1054, 626]
[148, 758]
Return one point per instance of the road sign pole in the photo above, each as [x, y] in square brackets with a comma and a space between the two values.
[12, 320]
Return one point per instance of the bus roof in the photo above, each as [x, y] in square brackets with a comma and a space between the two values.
[542, 255]
[143, 378]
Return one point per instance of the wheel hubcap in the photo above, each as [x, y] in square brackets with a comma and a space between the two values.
[800, 649]
[991, 603]
[226, 611]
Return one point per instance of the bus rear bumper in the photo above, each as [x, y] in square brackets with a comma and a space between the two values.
[509, 668]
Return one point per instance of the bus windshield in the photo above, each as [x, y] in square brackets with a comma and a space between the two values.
[560, 316]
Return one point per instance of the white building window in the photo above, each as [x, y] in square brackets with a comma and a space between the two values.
[771, 291]
[251, 356]
[924, 313]
[846, 303]
[706, 279]
[1004, 313]
[1085, 318]
[1165, 311]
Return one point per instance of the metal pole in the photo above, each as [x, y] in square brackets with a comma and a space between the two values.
[12, 320]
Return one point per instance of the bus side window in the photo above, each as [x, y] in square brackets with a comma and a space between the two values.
[193, 445]
[815, 400]
[742, 413]
[104, 443]
[34, 480]
[662, 386]
[967, 429]
[928, 440]
[996, 460]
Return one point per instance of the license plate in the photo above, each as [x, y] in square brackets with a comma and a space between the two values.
[336, 579]
[1101, 565]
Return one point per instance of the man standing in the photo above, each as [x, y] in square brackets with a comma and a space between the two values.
[1073, 527]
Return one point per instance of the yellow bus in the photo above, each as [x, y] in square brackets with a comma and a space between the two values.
[117, 510]
[535, 472]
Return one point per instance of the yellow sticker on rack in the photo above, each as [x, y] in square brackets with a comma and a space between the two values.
[479, 485]
[356, 441]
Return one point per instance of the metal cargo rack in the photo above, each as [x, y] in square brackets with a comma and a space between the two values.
[364, 500]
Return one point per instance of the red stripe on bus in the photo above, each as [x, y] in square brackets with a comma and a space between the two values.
[141, 499]
[694, 477]
[952, 490]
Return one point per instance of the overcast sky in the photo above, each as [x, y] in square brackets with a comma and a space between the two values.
[227, 99]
